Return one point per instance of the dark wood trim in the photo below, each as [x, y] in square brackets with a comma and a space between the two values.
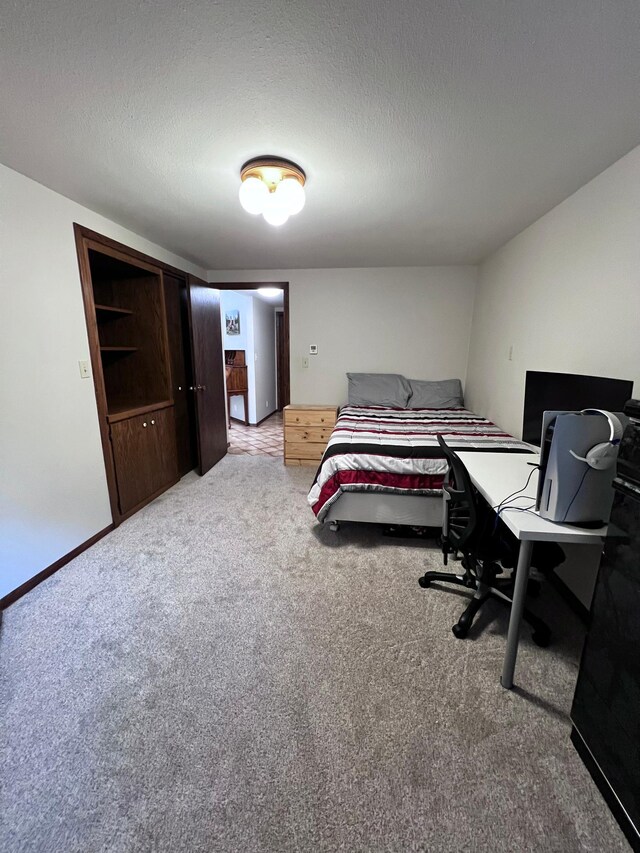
[286, 397]
[284, 285]
[139, 410]
[122, 253]
[82, 239]
[107, 242]
[27, 586]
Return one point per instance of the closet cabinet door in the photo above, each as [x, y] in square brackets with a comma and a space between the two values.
[208, 373]
[144, 454]
[163, 449]
[175, 300]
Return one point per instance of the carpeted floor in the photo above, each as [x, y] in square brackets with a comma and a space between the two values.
[221, 674]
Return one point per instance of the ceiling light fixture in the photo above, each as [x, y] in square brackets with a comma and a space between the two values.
[270, 291]
[273, 187]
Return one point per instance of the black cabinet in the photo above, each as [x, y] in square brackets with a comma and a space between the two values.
[606, 706]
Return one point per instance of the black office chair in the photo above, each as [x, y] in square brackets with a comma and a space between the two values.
[469, 529]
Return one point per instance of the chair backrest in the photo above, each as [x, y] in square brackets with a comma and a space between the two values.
[462, 514]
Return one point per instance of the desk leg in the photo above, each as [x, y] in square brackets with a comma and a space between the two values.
[519, 593]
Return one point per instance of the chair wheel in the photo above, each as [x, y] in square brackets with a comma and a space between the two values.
[460, 631]
[541, 637]
[424, 582]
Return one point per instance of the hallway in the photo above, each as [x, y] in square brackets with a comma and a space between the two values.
[266, 439]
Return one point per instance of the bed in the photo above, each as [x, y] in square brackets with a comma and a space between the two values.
[383, 464]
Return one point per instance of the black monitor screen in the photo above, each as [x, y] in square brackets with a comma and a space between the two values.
[568, 392]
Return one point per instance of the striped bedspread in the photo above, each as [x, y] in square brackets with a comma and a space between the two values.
[396, 450]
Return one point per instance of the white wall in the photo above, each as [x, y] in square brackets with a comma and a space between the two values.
[410, 320]
[231, 300]
[264, 335]
[53, 491]
[565, 293]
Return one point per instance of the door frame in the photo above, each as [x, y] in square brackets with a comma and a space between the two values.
[284, 286]
[280, 378]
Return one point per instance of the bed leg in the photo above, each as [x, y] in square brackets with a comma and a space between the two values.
[334, 526]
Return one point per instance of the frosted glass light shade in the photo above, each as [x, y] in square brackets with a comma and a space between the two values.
[291, 194]
[253, 195]
[274, 211]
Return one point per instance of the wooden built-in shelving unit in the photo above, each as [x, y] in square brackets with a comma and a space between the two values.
[110, 311]
[148, 326]
[129, 312]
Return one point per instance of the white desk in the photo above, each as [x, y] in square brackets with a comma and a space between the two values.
[496, 476]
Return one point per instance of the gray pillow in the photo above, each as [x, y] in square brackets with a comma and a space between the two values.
[443, 394]
[378, 389]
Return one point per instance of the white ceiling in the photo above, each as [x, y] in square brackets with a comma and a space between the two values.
[431, 132]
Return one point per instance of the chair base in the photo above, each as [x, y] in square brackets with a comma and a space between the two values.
[541, 634]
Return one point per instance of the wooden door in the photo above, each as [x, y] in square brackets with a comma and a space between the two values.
[181, 379]
[208, 373]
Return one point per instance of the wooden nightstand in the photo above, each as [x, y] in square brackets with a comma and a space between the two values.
[306, 432]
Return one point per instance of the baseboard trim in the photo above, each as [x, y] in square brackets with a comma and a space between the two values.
[27, 586]
[569, 597]
[240, 421]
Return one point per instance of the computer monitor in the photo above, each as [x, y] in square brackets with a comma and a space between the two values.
[546, 392]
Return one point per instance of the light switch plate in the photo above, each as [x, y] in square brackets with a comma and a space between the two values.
[85, 373]
[305, 361]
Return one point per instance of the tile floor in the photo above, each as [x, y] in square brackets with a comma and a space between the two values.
[266, 439]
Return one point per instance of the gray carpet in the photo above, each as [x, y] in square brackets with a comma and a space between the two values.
[220, 674]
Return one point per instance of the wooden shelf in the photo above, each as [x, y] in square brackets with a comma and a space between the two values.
[120, 410]
[119, 349]
[110, 311]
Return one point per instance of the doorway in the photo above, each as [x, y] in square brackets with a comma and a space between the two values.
[255, 316]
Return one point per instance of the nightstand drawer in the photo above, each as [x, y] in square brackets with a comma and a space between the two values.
[307, 430]
[320, 416]
[304, 449]
[311, 433]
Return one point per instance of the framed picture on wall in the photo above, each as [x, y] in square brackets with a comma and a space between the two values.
[232, 319]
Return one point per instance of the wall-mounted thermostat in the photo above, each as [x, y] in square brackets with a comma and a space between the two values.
[313, 349]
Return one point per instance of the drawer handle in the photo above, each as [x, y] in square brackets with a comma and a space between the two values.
[144, 424]
[152, 423]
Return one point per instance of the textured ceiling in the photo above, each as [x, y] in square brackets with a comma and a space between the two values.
[431, 132]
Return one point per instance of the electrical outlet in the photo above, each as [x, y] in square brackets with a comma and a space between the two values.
[313, 349]
[85, 373]
[305, 361]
